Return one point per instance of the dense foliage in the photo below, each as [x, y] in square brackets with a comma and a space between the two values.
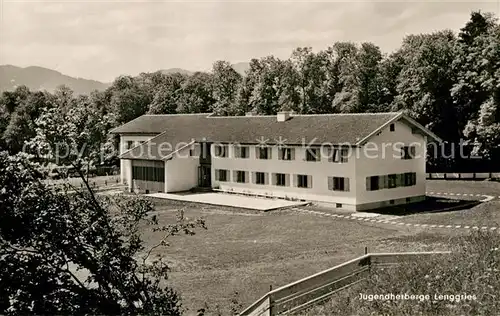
[448, 82]
[70, 252]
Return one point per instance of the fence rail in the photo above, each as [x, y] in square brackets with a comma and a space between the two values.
[303, 293]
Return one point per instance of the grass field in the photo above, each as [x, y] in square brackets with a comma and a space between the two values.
[247, 252]
[243, 253]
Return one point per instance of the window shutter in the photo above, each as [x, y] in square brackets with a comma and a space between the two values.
[287, 180]
[346, 185]
[270, 153]
[266, 178]
[309, 181]
[216, 174]
[330, 183]
[382, 182]
[368, 184]
[292, 153]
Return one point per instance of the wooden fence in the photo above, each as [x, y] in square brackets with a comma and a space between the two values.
[301, 294]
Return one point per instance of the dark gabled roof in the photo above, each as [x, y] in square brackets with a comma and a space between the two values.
[156, 123]
[179, 130]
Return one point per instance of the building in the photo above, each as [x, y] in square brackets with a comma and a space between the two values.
[353, 161]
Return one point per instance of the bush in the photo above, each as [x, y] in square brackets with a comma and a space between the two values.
[77, 253]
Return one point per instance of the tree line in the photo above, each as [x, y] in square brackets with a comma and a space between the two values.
[448, 82]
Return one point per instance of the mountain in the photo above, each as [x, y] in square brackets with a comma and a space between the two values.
[240, 68]
[39, 78]
[174, 70]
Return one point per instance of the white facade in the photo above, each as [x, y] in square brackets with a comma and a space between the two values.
[379, 156]
[317, 170]
[125, 165]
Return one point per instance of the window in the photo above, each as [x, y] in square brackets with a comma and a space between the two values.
[241, 176]
[155, 174]
[392, 128]
[312, 154]
[340, 155]
[221, 175]
[338, 184]
[410, 178]
[263, 153]
[286, 153]
[344, 155]
[130, 144]
[221, 151]
[304, 181]
[241, 152]
[260, 178]
[280, 179]
[372, 183]
[408, 152]
[391, 181]
[338, 205]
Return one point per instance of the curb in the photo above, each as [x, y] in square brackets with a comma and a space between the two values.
[395, 223]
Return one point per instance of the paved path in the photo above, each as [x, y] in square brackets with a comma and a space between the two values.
[391, 220]
[232, 200]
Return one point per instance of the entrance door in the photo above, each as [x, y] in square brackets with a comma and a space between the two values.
[204, 176]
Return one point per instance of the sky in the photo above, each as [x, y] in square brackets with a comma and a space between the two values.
[104, 39]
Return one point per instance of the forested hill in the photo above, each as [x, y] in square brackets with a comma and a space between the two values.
[448, 80]
[39, 78]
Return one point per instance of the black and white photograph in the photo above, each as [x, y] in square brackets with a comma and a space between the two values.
[249, 157]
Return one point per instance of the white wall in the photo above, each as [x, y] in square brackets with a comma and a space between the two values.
[373, 162]
[181, 172]
[320, 171]
[125, 164]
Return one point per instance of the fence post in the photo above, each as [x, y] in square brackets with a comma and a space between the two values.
[366, 250]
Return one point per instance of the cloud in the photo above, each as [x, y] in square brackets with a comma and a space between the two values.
[101, 40]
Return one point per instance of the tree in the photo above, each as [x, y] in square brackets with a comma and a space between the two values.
[311, 71]
[166, 93]
[479, 24]
[225, 86]
[76, 253]
[368, 58]
[484, 128]
[196, 94]
[344, 78]
[474, 66]
[425, 81]
[21, 126]
[128, 100]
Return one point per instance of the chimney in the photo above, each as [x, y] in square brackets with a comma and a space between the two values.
[284, 116]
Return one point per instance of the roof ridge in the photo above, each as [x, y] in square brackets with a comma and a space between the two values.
[316, 114]
[177, 114]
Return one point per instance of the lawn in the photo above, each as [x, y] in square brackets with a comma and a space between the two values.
[247, 252]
